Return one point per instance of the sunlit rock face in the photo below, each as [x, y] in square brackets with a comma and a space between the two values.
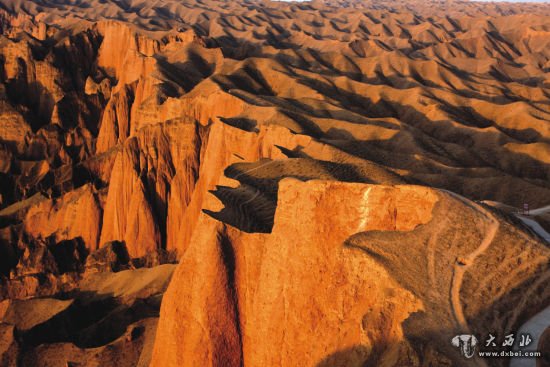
[349, 274]
[339, 180]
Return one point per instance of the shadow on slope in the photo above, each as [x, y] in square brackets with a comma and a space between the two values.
[251, 206]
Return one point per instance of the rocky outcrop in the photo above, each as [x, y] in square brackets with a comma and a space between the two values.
[37, 267]
[137, 202]
[110, 318]
[76, 214]
[324, 287]
[277, 299]
[125, 54]
[272, 148]
[115, 124]
[111, 257]
[128, 214]
[14, 127]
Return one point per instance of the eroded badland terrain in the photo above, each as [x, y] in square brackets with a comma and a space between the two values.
[254, 183]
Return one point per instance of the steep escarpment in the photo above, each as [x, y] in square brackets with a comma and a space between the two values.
[137, 207]
[293, 157]
[350, 274]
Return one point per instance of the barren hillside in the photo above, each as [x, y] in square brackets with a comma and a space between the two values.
[338, 180]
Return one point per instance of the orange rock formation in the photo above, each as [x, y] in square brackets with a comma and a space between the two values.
[293, 157]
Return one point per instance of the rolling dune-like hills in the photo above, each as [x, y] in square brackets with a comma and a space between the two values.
[343, 183]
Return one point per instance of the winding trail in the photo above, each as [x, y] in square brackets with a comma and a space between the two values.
[535, 326]
[462, 264]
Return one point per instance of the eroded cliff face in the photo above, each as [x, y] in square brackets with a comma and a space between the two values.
[294, 295]
[82, 113]
[272, 148]
[124, 54]
[83, 103]
[153, 179]
[115, 123]
[324, 287]
[76, 214]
